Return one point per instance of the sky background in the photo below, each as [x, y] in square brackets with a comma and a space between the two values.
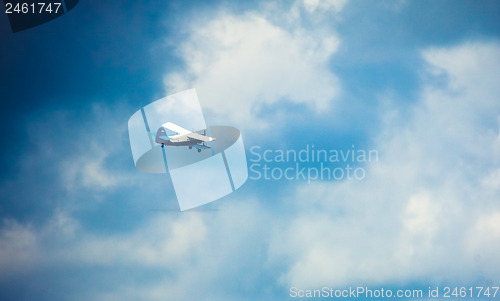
[415, 80]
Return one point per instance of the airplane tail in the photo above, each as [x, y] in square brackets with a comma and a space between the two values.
[161, 136]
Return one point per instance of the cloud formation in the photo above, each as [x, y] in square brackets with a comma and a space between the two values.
[429, 203]
[427, 212]
[241, 64]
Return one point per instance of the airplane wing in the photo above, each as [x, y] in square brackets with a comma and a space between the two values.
[200, 137]
[174, 127]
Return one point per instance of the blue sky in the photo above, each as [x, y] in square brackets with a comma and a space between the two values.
[415, 80]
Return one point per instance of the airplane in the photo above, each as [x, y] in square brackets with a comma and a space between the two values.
[182, 137]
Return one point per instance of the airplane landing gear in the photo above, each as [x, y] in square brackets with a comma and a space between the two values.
[190, 147]
[162, 145]
[199, 150]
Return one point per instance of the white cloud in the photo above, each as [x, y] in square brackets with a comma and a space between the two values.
[18, 248]
[25, 247]
[87, 170]
[191, 249]
[313, 5]
[483, 237]
[85, 163]
[492, 180]
[430, 202]
[163, 242]
[240, 64]
[78, 148]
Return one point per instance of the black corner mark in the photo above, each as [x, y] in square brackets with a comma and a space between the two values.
[70, 4]
[24, 14]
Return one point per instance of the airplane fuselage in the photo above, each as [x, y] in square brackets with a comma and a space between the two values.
[180, 143]
[183, 137]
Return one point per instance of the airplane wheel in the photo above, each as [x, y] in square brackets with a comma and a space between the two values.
[190, 147]
[162, 145]
[199, 150]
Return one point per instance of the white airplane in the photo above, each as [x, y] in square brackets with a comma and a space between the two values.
[182, 137]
